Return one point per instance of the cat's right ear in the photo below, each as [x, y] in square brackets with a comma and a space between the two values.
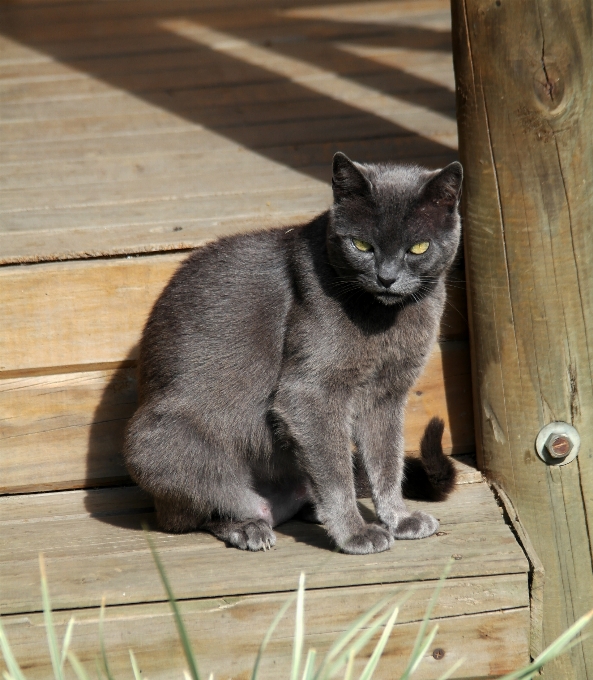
[347, 179]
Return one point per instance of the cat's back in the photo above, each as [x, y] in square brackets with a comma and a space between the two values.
[222, 315]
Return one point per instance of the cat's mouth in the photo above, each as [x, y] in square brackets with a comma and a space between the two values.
[388, 298]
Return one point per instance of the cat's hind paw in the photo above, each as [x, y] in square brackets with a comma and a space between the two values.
[253, 534]
[416, 525]
[372, 539]
[249, 534]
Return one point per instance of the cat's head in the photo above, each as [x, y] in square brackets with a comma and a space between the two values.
[393, 229]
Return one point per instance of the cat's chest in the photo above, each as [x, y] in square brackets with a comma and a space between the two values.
[339, 349]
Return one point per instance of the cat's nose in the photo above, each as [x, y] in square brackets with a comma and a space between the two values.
[385, 281]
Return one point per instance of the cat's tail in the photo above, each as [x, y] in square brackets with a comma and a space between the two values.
[432, 476]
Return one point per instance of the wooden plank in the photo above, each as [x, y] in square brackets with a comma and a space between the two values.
[189, 64]
[43, 26]
[202, 107]
[66, 431]
[93, 311]
[125, 500]
[23, 204]
[493, 641]
[107, 553]
[71, 305]
[527, 220]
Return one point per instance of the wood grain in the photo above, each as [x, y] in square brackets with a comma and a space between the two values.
[526, 141]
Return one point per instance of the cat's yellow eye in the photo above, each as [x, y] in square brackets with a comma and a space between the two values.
[419, 248]
[362, 245]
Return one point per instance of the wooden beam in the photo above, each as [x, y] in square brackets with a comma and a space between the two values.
[525, 113]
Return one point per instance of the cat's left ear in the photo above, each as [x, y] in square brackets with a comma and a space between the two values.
[347, 178]
[444, 188]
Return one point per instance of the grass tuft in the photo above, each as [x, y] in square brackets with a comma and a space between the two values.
[341, 656]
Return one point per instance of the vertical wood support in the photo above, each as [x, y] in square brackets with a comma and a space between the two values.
[524, 75]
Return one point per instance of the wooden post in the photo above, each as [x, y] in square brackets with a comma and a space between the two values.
[525, 111]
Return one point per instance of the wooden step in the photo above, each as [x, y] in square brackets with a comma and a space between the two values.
[67, 377]
[94, 548]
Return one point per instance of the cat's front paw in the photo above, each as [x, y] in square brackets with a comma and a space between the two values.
[416, 525]
[372, 539]
[252, 534]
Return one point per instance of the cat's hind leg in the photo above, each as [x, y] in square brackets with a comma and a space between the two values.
[190, 480]
[270, 504]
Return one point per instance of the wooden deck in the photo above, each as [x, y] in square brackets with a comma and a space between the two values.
[140, 126]
[131, 132]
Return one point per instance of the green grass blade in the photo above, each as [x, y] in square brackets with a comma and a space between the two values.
[79, 669]
[6, 675]
[447, 674]
[66, 641]
[102, 641]
[309, 665]
[423, 649]
[299, 630]
[183, 636]
[269, 633]
[357, 644]
[350, 665]
[369, 669]
[560, 645]
[50, 631]
[424, 625]
[135, 669]
[11, 663]
[352, 631]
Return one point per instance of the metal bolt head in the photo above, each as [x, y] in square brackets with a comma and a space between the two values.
[559, 445]
[438, 653]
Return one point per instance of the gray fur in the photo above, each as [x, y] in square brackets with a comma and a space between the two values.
[269, 354]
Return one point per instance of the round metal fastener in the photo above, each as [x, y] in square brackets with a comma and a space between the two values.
[558, 443]
[438, 653]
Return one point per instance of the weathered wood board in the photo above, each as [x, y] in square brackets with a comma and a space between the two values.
[492, 642]
[93, 547]
[525, 98]
[91, 313]
[65, 400]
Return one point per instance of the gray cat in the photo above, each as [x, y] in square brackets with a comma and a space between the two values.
[276, 365]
